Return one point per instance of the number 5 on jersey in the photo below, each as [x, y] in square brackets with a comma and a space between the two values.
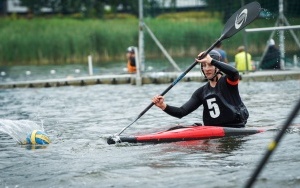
[213, 108]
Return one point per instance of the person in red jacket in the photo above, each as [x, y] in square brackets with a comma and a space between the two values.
[222, 104]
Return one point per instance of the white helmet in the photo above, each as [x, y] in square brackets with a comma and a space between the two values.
[130, 49]
[271, 42]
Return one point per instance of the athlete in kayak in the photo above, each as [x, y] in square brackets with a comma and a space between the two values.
[222, 104]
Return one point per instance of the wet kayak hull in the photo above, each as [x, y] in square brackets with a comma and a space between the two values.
[184, 134]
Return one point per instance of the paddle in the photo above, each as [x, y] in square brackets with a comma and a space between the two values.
[272, 145]
[244, 16]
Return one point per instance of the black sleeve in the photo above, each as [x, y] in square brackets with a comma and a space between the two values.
[231, 72]
[192, 104]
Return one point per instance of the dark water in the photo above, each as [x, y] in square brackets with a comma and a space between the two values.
[79, 119]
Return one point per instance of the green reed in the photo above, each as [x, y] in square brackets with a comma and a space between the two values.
[66, 40]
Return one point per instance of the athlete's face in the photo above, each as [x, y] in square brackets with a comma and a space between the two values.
[209, 70]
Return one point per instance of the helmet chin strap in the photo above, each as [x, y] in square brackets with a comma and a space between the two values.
[215, 78]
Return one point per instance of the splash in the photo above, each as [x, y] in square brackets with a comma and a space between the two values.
[19, 129]
[265, 13]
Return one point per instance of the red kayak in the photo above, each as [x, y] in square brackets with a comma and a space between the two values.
[181, 133]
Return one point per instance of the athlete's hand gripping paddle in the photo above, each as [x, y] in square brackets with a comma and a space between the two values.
[240, 19]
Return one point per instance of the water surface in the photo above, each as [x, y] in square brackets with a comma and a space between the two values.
[79, 119]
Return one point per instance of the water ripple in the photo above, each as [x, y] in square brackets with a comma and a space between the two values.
[79, 119]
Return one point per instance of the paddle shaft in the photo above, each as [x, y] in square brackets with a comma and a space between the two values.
[273, 144]
[172, 84]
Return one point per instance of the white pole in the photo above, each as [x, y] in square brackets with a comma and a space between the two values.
[141, 37]
[138, 78]
[273, 28]
[90, 65]
[281, 36]
[295, 61]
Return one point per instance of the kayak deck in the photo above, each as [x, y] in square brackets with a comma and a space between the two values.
[185, 134]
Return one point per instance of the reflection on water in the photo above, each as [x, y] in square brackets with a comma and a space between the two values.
[221, 145]
[34, 147]
[78, 119]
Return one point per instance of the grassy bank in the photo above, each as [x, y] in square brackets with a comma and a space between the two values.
[65, 40]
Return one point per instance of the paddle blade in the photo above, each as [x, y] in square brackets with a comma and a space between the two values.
[240, 19]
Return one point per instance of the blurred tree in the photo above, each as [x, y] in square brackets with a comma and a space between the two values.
[96, 8]
[227, 8]
[93, 8]
[130, 6]
[34, 6]
[89, 8]
[151, 8]
[291, 7]
[3, 7]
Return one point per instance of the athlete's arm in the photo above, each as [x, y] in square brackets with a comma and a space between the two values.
[231, 72]
[192, 104]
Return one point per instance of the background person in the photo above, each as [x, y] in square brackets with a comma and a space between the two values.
[222, 52]
[130, 55]
[222, 104]
[241, 61]
[272, 58]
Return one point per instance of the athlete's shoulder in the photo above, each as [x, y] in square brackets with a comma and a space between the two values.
[201, 89]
